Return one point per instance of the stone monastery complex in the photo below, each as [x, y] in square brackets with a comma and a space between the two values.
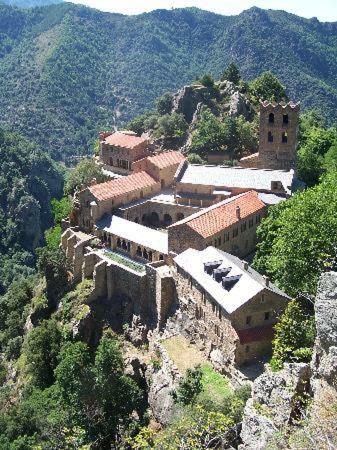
[166, 242]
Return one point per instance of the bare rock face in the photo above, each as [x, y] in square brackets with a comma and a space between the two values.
[239, 106]
[186, 100]
[273, 404]
[324, 362]
[161, 382]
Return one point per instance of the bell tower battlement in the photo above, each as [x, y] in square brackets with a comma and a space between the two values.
[278, 135]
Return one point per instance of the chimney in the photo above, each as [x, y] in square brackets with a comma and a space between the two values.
[266, 280]
[93, 182]
[238, 212]
[245, 265]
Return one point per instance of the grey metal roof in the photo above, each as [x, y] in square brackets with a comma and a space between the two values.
[250, 283]
[240, 177]
[134, 232]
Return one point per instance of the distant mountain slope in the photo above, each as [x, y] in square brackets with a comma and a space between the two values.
[29, 3]
[66, 71]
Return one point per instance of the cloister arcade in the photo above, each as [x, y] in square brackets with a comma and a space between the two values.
[131, 249]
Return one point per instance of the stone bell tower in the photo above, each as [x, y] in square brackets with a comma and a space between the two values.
[278, 135]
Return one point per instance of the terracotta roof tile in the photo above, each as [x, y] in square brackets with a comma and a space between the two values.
[167, 159]
[119, 139]
[256, 334]
[120, 186]
[220, 216]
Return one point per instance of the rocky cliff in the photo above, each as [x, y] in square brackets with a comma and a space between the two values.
[297, 407]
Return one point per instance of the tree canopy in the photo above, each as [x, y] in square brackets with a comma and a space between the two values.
[298, 237]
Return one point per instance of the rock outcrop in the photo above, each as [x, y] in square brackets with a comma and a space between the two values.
[324, 363]
[274, 404]
[162, 379]
[187, 99]
[276, 397]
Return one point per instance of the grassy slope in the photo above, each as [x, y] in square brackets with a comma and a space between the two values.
[69, 69]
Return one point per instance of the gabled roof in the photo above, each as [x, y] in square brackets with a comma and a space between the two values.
[124, 140]
[120, 186]
[134, 232]
[235, 177]
[214, 219]
[250, 283]
[166, 159]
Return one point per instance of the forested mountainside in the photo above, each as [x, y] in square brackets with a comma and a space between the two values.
[29, 179]
[29, 3]
[71, 70]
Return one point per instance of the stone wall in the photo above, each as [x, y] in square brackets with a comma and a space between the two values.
[181, 237]
[91, 210]
[112, 156]
[200, 319]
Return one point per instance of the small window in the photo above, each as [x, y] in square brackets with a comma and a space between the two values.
[267, 315]
[262, 298]
[251, 223]
[285, 119]
[271, 118]
[248, 320]
[243, 227]
[258, 219]
[220, 314]
[219, 241]
[270, 136]
[235, 232]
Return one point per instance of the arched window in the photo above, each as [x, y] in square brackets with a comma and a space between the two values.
[285, 119]
[271, 118]
[124, 246]
[270, 136]
[284, 137]
[167, 220]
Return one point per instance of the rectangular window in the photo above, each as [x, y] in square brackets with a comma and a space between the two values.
[243, 227]
[251, 223]
[258, 218]
[235, 232]
[267, 315]
[248, 320]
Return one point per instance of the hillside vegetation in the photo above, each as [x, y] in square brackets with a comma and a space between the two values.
[72, 71]
[29, 179]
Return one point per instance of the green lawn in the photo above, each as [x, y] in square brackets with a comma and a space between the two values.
[215, 386]
[120, 259]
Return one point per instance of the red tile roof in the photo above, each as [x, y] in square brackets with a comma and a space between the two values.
[167, 159]
[119, 139]
[214, 219]
[114, 188]
[256, 334]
